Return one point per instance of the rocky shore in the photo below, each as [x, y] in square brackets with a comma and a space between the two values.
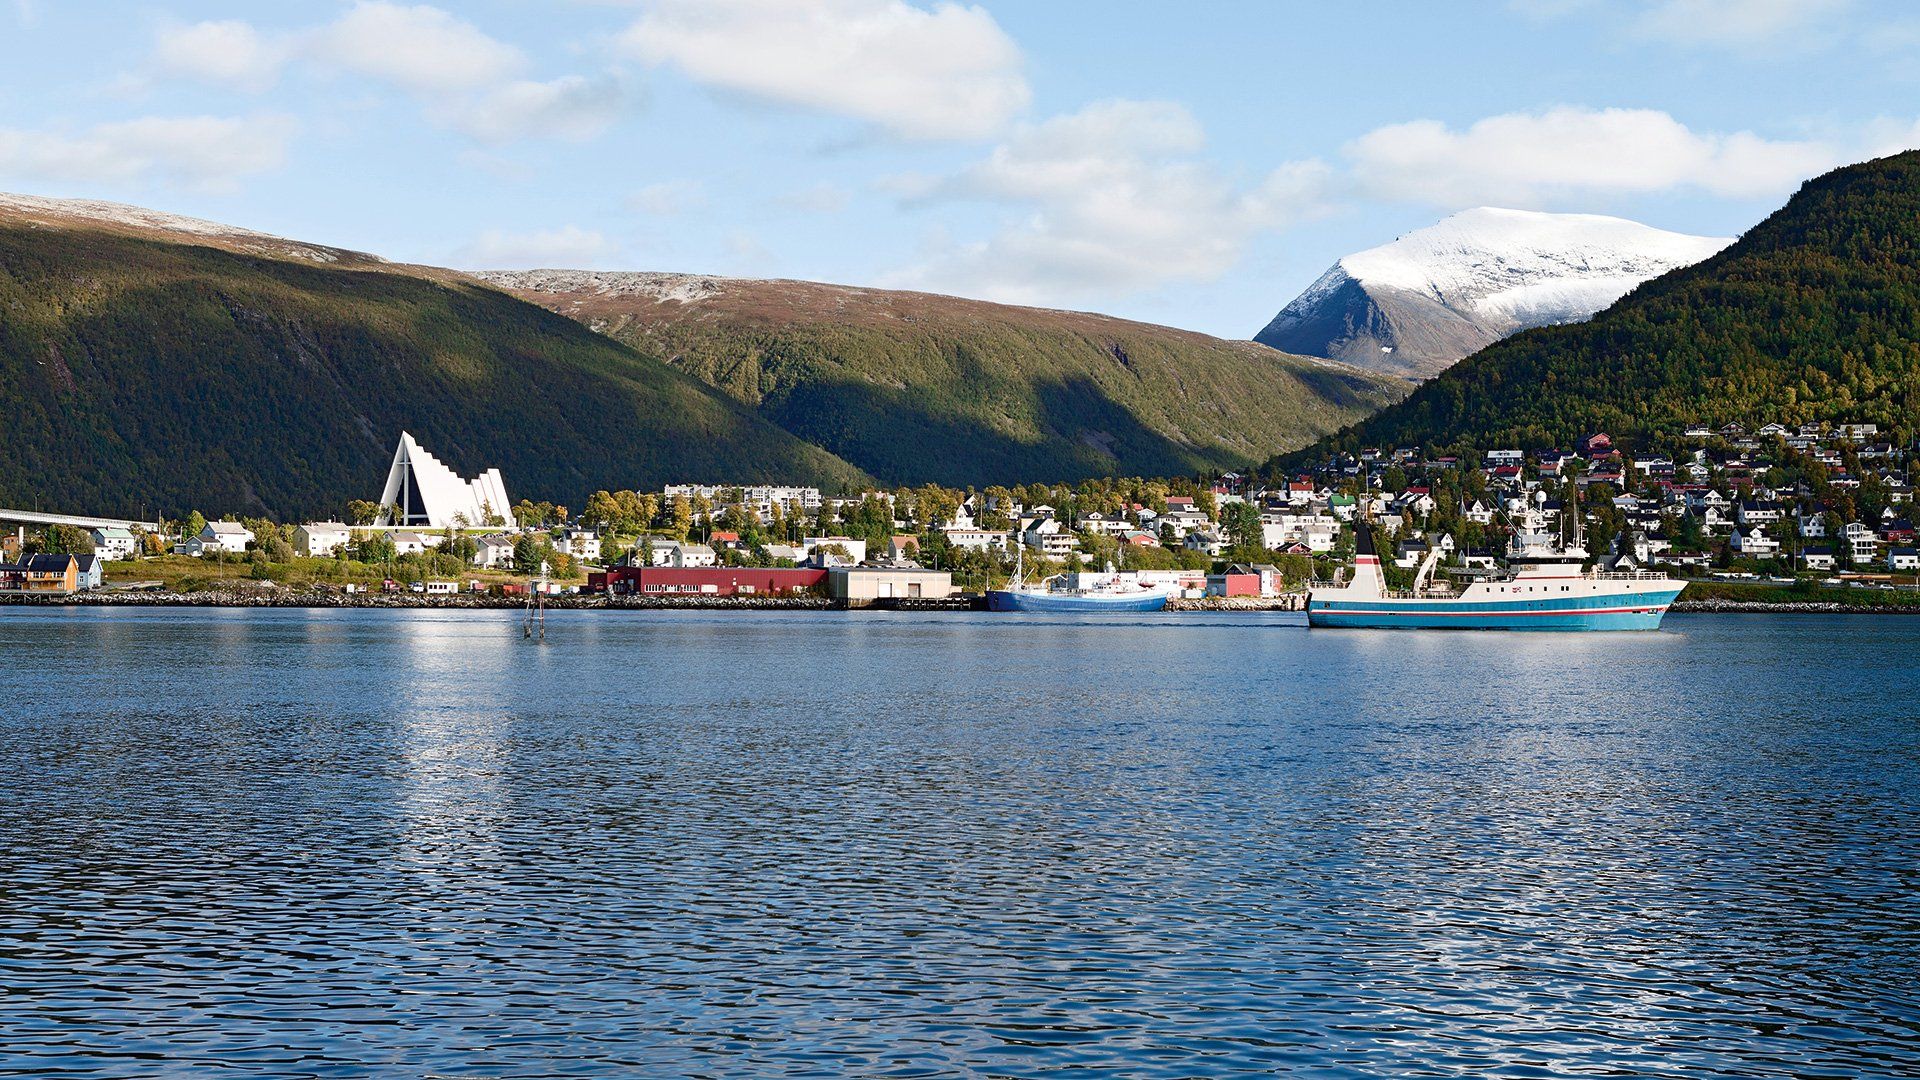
[329, 598]
[1289, 602]
[1785, 608]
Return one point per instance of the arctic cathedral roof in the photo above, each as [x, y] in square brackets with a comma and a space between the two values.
[421, 491]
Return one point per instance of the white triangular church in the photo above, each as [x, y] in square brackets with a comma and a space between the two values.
[424, 493]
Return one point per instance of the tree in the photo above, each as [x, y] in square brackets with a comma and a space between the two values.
[362, 511]
[464, 548]
[196, 524]
[373, 548]
[1241, 521]
[602, 511]
[66, 540]
[682, 518]
[529, 552]
[277, 549]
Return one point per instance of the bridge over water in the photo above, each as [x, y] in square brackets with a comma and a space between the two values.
[34, 517]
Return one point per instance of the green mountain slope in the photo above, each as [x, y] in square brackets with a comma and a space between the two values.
[156, 370]
[914, 387]
[1813, 315]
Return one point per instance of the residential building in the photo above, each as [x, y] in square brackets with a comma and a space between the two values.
[493, 552]
[89, 572]
[691, 556]
[48, 574]
[579, 543]
[974, 539]
[810, 547]
[407, 542]
[115, 542]
[321, 539]
[1863, 543]
[1205, 541]
[228, 536]
[1050, 537]
[1754, 543]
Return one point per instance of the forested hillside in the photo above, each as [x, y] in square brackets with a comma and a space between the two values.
[143, 375]
[1813, 315]
[914, 387]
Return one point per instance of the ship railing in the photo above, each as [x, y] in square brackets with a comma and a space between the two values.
[1628, 575]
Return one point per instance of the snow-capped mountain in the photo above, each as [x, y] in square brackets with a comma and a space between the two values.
[1416, 305]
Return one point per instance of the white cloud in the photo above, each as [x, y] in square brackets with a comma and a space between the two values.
[230, 52]
[1741, 25]
[818, 199]
[568, 247]
[207, 152]
[668, 198]
[1111, 201]
[1737, 23]
[461, 77]
[571, 107]
[1569, 152]
[418, 48]
[939, 73]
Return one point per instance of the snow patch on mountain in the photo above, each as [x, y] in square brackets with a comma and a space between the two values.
[666, 288]
[1527, 267]
[1436, 294]
[139, 217]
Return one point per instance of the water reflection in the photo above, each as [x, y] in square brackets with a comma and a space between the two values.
[411, 842]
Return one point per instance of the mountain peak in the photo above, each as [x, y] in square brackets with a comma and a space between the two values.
[1434, 295]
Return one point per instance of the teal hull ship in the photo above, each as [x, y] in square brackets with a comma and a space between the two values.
[1544, 588]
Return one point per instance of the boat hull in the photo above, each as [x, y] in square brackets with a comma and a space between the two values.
[1022, 600]
[1616, 611]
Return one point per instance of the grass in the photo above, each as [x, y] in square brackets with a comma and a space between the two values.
[1806, 591]
[181, 573]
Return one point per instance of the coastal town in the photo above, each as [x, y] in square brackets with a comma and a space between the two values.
[1825, 504]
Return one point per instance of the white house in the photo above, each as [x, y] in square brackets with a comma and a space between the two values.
[1817, 558]
[691, 555]
[225, 536]
[115, 542]
[320, 539]
[579, 543]
[973, 539]
[856, 549]
[660, 551]
[1205, 541]
[1863, 543]
[1903, 559]
[411, 543]
[493, 552]
[1754, 543]
[1050, 537]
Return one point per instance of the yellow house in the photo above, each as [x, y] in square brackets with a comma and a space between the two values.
[50, 574]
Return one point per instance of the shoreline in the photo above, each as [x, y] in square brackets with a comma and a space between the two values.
[468, 602]
[399, 601]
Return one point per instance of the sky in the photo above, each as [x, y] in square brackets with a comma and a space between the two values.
[1194, 164]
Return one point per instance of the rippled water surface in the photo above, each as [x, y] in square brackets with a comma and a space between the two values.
[410, 843]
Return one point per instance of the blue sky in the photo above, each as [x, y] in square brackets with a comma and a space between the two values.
[1193, 164]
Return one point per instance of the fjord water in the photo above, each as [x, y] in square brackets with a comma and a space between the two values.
[294, 843]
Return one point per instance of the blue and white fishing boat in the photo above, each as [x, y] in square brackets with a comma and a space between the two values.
[1543, 587]
[1115, 592]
